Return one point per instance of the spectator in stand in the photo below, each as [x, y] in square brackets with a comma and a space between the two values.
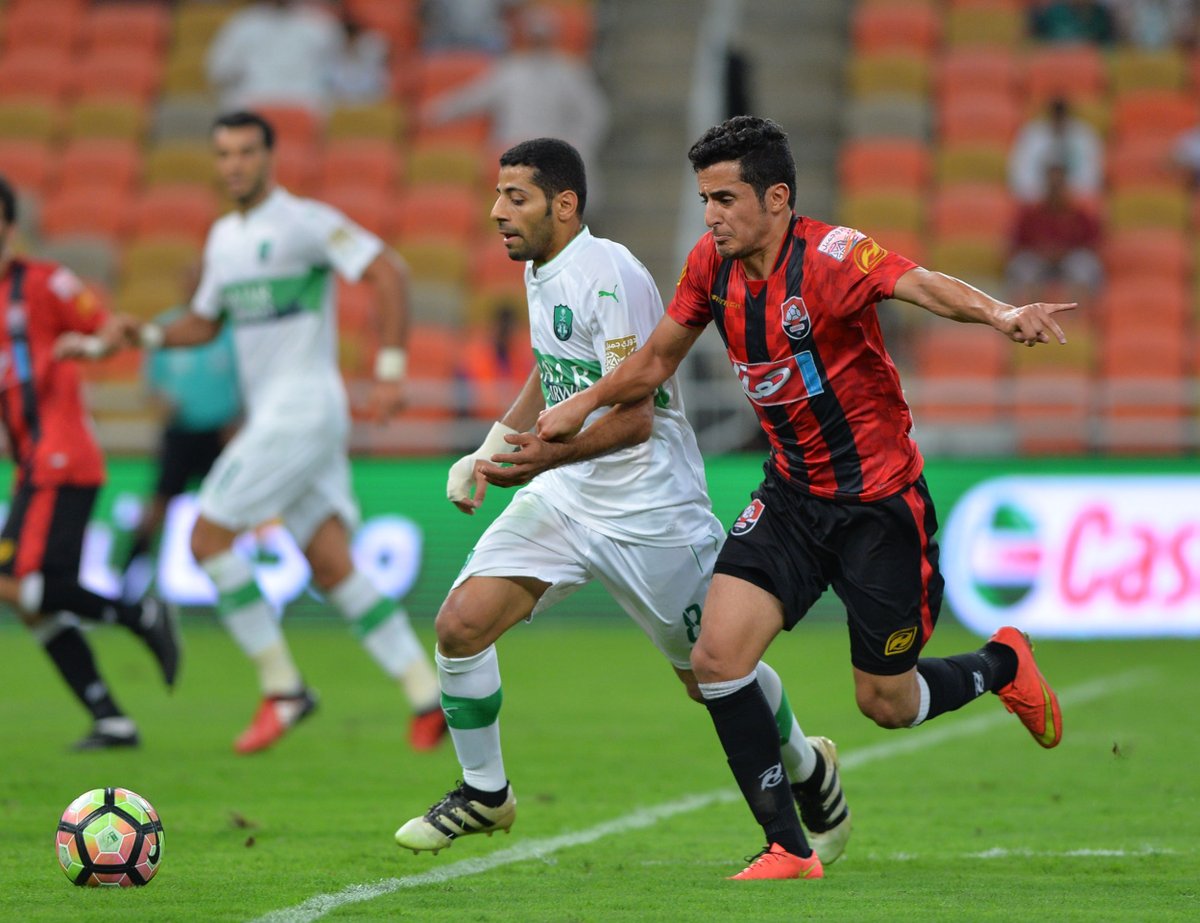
[360, 74]
[1186, 155]
[1055, 241]
[1073, 21]
[1059, 138]
[534, 91]
[1157, 24]
[476, 24]
[276, 53]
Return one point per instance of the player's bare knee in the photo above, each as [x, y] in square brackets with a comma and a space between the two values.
[884, 711]
[460, 633]
[706, 665]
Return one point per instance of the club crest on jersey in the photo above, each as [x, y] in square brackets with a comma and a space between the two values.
[749, 518]
[796, 323]
[564, 321]
[868, 255]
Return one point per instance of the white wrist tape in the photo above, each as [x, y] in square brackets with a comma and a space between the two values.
[494, 444]
[150, 336]
[391, 362]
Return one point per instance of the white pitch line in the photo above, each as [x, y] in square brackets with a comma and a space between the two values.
[318, 906]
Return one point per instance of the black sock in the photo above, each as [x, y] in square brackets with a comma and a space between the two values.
[955, 681]
[487, 799]
[748, 733]
[71, 654]
[814, 781]
[69, 596]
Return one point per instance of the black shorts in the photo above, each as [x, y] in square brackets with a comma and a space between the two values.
[880, 558]
[44, 530]
[184, 456]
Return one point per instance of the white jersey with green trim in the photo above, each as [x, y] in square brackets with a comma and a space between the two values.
[268, 273]
[589, 308]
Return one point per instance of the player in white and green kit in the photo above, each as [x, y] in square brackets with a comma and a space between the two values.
[611, 505]
[268, 271]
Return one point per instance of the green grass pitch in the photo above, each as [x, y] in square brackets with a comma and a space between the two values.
[627, 810]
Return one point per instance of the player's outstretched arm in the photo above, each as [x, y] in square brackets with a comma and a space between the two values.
[387, 275]
[954, 299]
[632, 381]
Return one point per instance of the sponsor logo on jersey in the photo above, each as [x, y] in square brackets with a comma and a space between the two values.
[749, 518]
[618, 350]
[796, 323]
[726, 305]
[783, 382]
[900, 641]
[601, 293]
[264, 249]
[868, 255]
[682, 276]
[838, 241]
[564, 321]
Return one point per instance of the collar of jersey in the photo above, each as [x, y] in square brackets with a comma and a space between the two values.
[276, 193]
[555, 265]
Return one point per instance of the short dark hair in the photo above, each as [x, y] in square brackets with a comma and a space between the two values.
[8, 201]
[759, 146]
[242, 118]
[557, 167]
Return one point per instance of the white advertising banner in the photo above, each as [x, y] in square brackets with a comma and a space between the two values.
[1077, 556]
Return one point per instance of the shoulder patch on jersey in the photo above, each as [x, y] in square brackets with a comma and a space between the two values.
[341, 238]
[868, 255]
[682, 275]
[64, 283]
[618, 350]
[838, 241]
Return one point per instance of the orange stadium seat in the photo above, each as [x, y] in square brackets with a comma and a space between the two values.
[574, 28]
[1147, 69]
[901, 73]
[875, 213]
[972, 70]
[56, 26]
[100, 161]
[184, 211]
[1143, 303]
[434, 73]
[134, 26]
[1147, 252]
[882, 163]
[1070, 71]
[1145, 114]
[439, 210]
[27, 163]
[296, 167]
[971, 162]
[983, 23]
[35, 73]
[1051, 409]
[386, 120]
[1144, 391]
[101, 210]
[29, 119]
[983, 118]
[363, 205]
[370, 162]
[292, 124]
[1148, 207]
[469, 130]
[398, 20]
[876, 27]
[106, 118]
[179, 162]
[1139, 162]
[118, 73]
[980, 211]
[962, 375]
[491, 265]
[906, 243]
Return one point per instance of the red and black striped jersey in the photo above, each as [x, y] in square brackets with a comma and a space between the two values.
[49, 432]
[806, 346]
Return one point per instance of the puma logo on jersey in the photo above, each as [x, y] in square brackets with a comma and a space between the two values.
[613, 294]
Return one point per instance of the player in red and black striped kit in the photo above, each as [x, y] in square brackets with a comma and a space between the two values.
[843, 502]
[59, 470]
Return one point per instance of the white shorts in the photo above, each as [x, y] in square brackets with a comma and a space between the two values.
[278, 472]
[662, 589]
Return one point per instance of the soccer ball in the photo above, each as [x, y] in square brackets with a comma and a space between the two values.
[110, 837]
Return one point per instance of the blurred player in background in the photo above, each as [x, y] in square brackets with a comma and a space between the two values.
[267, 272]
[844, 502]
[198, 387]
[637, 520]
[59, 471]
